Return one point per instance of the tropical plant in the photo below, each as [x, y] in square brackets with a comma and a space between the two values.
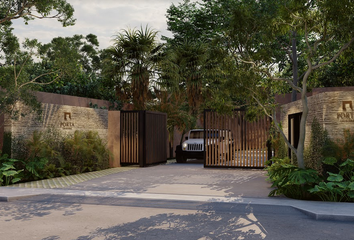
[344, 146]
[8, 173]
[187, 68]
[38, 153]
[290, 180]
[339, 186]
[85, 151]
[132, 64]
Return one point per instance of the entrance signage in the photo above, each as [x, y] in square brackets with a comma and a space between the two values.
[67, 123]
[347, 113]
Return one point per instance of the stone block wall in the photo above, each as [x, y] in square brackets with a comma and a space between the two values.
[66, 119]
[334, 110]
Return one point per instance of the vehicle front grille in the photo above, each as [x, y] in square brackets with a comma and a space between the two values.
[195, 147]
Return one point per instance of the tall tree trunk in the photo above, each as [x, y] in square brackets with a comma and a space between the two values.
[295, 67]
[305, 110]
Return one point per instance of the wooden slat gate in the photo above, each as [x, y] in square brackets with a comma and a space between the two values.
[143, 138]
[231, 141]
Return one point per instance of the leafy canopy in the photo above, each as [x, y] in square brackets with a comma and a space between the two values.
[32, 9]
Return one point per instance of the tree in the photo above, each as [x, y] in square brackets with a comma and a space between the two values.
[15, 80]
[18, 81]
[85, 78]
[205, 25]
[203, 20]
[189, 71]
[337, 74]
[132, 64]
[32, 9]
[324, 31]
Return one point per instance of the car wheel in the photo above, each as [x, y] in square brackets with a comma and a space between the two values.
[179, 154]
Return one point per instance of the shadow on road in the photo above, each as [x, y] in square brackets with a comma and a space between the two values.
[26, 211]
[210, 222]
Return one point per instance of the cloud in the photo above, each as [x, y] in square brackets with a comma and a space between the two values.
[103, 18]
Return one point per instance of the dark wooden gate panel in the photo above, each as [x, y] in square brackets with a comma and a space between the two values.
[231, 141]
[130, 137]
[143, 137]
[155, 137]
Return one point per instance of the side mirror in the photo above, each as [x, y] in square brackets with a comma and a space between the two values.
[186, 138]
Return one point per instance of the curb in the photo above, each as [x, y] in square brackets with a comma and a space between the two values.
[314, 210]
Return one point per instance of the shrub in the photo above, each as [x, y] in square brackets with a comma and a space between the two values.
[48, 154]
[278, 144]
[8, 173]
[339, 186]
[86, 152]
[291, 181]
[313, 154]
[340, 149]
[37, 154]
[7, 140]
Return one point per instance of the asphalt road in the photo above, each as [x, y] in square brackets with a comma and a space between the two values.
[88, 216]
[53, 217]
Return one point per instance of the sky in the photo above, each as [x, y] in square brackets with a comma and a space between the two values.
[104, 18]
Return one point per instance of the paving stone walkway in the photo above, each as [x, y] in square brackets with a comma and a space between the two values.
[62, 182]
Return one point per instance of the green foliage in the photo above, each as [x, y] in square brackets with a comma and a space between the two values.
[37, 153]
[278, 143]
[85, 151]
[338, 150]
[336, 184]
[48, 154]
[8, 173]
[339, 186]
[189, 72]
[16, 80]
[313, 155]
[338, 74]
[260, 40]
[35, 169]
[290, 180]
[131, 64]
[7, 140]
[29, 10]
[343, 148]
[202, 20]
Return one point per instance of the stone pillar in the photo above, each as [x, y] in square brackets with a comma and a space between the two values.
[114, 137]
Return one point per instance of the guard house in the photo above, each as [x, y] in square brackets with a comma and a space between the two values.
[333, 108]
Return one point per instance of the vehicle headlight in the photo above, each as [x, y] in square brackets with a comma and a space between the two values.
[184, 146]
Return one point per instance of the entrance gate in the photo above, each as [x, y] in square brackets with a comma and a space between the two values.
[232, 141]
[143, 138]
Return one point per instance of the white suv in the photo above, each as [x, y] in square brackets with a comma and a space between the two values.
[193, 147]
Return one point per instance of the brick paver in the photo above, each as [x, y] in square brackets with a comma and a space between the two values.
[62, 182]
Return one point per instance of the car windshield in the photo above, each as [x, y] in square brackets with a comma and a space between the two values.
[196, 134]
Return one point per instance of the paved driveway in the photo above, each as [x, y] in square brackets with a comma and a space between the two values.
[183, 179]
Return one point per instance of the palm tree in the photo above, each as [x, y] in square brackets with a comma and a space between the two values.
[134, 55]
[188, 70]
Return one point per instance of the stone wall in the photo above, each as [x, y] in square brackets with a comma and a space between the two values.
[66, 119]
[334, 110]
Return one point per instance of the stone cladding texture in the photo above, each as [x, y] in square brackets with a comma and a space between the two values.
[65, 118]
[333, 110]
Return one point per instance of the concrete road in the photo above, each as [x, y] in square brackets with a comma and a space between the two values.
[102, 209]
[55, 217]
